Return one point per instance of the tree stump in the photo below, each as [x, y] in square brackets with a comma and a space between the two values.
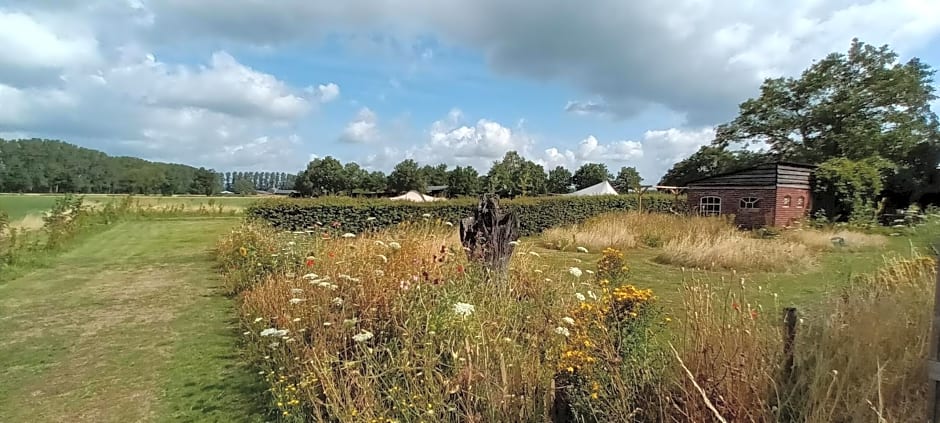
[488, 235]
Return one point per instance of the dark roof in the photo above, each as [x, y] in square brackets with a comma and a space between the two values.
[768, 165]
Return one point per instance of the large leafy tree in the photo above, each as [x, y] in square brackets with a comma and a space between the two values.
[514, 175]
[406, 176]
[627, 179]
[324, 176]
[591, 174]
[463, 181]
[244, 186]
[559, 180]
[858, 105]
[435, 175]
[376, 181]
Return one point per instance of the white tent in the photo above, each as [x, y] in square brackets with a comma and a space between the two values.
[416, 197]
[602, 188]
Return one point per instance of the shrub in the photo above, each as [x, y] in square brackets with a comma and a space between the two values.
[339, 214]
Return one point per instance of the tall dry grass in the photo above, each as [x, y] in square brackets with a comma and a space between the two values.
[864, 358]
[632, 229]
[840, 240]
[859, 357]
[735, 250]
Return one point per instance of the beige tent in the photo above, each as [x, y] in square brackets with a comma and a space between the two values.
[416, 197]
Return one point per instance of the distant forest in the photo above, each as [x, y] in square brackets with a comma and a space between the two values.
[50, 166]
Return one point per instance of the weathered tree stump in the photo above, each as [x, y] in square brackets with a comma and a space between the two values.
[488, 236]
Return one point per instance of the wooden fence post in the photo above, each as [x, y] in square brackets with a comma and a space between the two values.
[789, 337]
[933, 365]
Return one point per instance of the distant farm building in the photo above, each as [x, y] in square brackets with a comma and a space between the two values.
[773, 194]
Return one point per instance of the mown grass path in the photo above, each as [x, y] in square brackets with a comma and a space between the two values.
[127, 326]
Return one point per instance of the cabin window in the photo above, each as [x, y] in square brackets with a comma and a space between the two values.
[749, 203]
[786, 201]
[800, 201]
[710, 206]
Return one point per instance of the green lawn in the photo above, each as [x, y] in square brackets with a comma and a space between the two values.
[126, 326]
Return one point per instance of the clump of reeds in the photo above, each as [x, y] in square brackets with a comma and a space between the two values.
[632, 229]
[735, 250]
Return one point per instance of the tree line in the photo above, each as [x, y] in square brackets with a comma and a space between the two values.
[247, 183]
[50, 166]
[511, 176]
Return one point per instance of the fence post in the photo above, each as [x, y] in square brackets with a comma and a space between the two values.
[933, 366]
[789, 337]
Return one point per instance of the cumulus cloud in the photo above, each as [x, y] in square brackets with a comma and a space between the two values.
[324, 93]
[454, 141]
[225, 85]
[34, 54]
[362, 129]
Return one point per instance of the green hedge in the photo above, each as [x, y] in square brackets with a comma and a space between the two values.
[355, 215]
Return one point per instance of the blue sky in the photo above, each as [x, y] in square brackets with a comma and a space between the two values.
[248, 85]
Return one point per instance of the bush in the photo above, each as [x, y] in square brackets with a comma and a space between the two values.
[337, 214]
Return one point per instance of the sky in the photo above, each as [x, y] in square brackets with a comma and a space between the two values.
[269, 85]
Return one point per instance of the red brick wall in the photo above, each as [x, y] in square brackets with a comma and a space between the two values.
[785, 216]
[763, 215]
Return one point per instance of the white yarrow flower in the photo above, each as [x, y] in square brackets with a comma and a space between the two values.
[349, 235]
[362, 336]
[579, 296]
[394, 245]
[568, 320]
[296, 300]
[426, 215]
[582, 250]
[311, 276]
[258, 319]
[575, 272]
[370, 218]
[561, 330]
[463, 309]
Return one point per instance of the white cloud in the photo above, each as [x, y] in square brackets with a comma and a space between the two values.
[453, 141]
[362, 129]
[32, 53]
[324, 93]
[225, 85]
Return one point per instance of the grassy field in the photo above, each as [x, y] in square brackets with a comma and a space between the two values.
[19, 206]
[126, 326]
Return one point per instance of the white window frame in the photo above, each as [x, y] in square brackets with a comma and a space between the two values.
[787, 201]
[749, 203]
[711, 207]
[800, 202]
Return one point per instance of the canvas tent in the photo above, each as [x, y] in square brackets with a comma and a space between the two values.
[416, 197]
[602, 188]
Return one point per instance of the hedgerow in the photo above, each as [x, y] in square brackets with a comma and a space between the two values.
[360, 215]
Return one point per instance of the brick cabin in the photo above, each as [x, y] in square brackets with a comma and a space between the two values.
[772, 194]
